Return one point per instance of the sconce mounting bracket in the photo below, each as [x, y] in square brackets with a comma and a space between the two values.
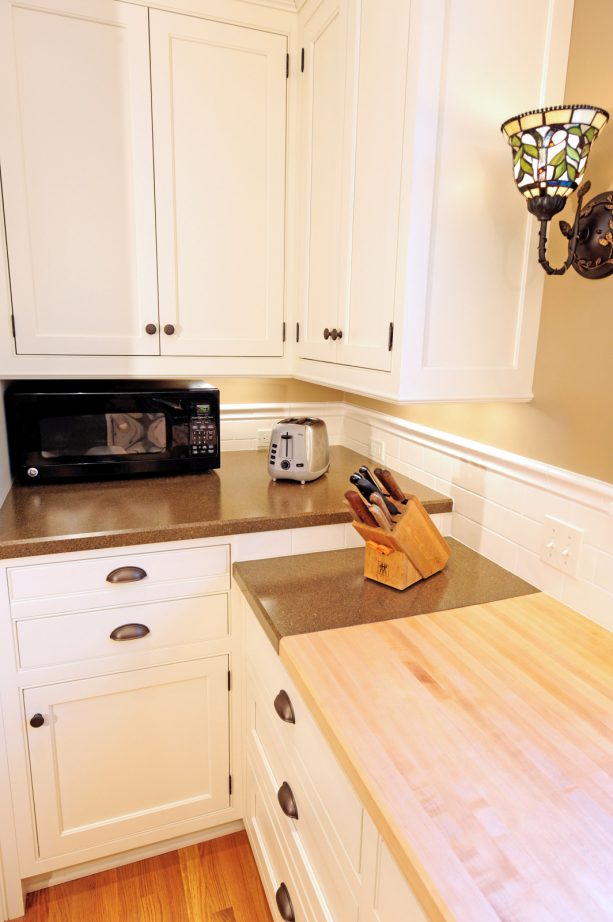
[593, 258]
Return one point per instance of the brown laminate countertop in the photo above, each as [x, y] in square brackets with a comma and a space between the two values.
[317, 592]
[236, 499]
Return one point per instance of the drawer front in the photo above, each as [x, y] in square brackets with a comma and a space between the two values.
[277, 865]
[87, 635]
[394, 898]
[310, 837]
[74, 585]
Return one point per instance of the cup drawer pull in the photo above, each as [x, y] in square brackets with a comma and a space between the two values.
[284, 904]
[129, 632]
[287, 801]
[283, 707]
[126, 575]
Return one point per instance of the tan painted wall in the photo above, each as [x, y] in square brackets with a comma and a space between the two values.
[569, 423]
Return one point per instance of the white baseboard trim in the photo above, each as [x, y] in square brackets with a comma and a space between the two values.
[63, 875]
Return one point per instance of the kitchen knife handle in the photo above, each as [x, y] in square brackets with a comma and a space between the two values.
[357, 505]
[380, 518]
[366, 489]
[377, 500]
[391, 485]
[365, 472]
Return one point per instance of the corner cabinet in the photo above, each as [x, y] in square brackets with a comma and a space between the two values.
[142, 150]
[416, 253]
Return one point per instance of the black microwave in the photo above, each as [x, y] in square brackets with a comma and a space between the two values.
[86, 430]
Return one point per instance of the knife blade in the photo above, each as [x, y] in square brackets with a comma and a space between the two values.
[366, 489]
[359, 508]
[390, 483]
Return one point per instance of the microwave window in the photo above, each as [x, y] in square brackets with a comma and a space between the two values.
[103, 434]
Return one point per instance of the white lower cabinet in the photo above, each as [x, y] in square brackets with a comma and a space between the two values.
[118, 754]
[319, 854]
[117, 700]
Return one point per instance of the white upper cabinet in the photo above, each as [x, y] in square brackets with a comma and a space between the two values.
[432, 235]
[219, 115]
[77, 176]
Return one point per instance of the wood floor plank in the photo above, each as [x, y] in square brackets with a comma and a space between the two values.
[215, 881]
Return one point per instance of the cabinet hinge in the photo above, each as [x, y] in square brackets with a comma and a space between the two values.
[302, 61]
[229, 680]
[13, 326]
[287, 65]
[390, 337]
[297, 332]
[284, 331]
[230, 785]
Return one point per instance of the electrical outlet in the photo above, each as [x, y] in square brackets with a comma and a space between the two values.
[263, 440]
[561, 545]
[377, 450]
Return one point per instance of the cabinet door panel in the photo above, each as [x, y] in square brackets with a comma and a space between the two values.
[219, 99]
[124, 753]
[77, 174]
[322, 122]
[380, 37]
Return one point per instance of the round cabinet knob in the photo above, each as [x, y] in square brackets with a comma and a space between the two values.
[336, 334]
[283, 707]
[169, 329]
[32, 472]
[287, 801]
[151, 329]
[37, 720]
[284, 904]
[327, 333]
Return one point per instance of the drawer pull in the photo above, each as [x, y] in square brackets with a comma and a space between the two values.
[287, 801]
[37, 720]
[126, 575]
[129, 632]
[284, 904]
[283, 707]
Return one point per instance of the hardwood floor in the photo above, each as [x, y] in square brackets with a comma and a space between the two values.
[215, 881]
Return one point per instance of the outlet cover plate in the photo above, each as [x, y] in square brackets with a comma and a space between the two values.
[263, 438]
[377, 450]
[561, 545]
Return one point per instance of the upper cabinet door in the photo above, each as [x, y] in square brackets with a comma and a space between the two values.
[376, 90]
[77, 175]
[322, 242]
[219, 123]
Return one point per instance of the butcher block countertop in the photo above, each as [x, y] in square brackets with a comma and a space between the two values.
[481, 742]
[238, 498]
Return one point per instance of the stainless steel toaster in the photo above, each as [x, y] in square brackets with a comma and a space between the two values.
[299, 449]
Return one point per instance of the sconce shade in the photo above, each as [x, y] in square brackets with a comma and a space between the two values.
[550, 151]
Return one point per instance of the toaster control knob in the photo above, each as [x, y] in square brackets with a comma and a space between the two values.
[32, 472]
[285, 465]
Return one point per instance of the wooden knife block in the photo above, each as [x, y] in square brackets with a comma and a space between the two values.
[414, 551]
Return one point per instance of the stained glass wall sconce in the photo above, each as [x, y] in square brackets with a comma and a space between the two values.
[550, 151]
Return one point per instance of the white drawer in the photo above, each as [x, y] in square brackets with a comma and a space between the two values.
[74, 585]
[86, 635]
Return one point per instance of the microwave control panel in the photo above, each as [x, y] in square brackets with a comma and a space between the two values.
[202, 431]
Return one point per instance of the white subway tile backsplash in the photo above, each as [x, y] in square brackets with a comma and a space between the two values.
[260, 545]
[318, 538]
[500, 501]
